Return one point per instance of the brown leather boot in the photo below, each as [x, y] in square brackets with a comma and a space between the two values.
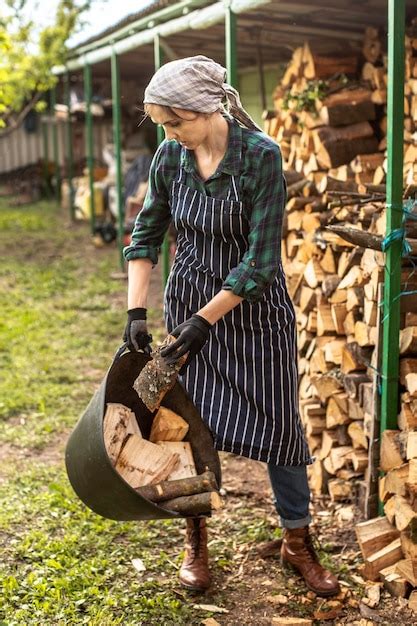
[194, 572]
[297, 551]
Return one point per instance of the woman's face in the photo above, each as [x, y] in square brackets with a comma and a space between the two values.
[188, 128]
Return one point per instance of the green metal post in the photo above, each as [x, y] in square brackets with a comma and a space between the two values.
[45, 141]
[231, 50]
[89, 140]
[391, 325]
[159, 60]
[115, 88]
[70, 154]
[52, 102]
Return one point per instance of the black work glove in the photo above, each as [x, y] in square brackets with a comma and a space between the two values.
[136, 332]
[190, 336]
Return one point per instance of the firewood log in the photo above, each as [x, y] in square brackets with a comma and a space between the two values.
[142, 463]
[168, 426]
[197, 504]
[375, 534]
[182, 450]
[389, 555]
[412, 446]
[394, 582]
[358, 436]
[157, 377]
[359, 460]
[339, 490]
[407, 568]
[119, 422]
[169, 489]
[390, 450]
[395, 480]
[408, 340]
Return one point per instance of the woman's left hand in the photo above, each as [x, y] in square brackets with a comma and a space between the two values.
[190, 336]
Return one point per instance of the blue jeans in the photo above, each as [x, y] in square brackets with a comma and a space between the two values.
[291, 494]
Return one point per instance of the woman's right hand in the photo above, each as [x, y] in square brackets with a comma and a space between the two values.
[136, 332]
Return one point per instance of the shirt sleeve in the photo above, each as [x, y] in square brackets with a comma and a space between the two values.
[153, 220]
[259, 265]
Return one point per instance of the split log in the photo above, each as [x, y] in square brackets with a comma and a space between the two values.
[410, 381]
[197, 504]
[390, 450]
[168, 426]
[357, 434]
[408, 340]
[354, 358]
[340, 490]
[170, 489]
[185, 466]
[157, 377]
[408, 569]
[326, 385]
[412, 446]
[143, 463]
[405, 517]
[407, 419]
[389, 555]
[119, 422]
[352, 381]
[407, 366]
[394, 582]
[375, 534]
[408, 546]
[359, 460]
[396, 479]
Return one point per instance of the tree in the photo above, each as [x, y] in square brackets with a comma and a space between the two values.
[27, 56]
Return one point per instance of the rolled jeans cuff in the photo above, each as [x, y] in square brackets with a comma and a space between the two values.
[295, 523]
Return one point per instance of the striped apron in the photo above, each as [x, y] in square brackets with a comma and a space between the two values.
[244, 380]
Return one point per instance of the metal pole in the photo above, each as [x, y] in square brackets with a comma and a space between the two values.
[159, 60]
[70, 154]
[45, 141]
[231, 50]
[52, 102]
[115, 89]
[391, 325]
[89, 141]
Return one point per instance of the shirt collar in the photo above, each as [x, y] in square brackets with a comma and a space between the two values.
[231, 162]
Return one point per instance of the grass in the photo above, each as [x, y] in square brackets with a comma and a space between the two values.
[62, 319]
[59, 326]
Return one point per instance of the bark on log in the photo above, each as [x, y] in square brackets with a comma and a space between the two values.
[365, 240]
[157, 377]
[169, 489]
[197, 504]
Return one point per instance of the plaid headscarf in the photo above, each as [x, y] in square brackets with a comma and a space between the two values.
[196, 84]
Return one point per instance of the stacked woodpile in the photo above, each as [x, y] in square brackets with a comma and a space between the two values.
[331, 123]
[330, 108]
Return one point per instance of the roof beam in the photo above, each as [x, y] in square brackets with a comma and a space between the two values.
[199, 19]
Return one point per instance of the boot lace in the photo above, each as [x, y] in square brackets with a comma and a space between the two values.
[312, 545]
[195, 542]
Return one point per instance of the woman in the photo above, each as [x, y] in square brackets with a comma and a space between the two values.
[219, 178]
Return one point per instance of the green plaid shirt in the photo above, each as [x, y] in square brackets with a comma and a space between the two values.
[255, 160]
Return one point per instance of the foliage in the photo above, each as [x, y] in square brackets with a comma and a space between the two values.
[28, 54]
[305, 100]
